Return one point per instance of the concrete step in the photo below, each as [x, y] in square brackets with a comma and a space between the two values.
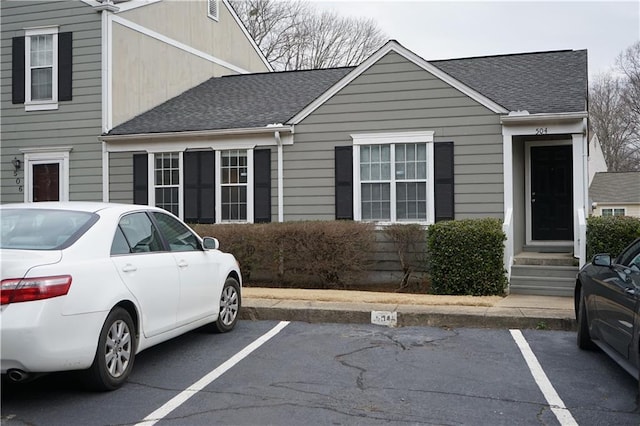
[543, 286]
[564, 248]
[544, 271]
[547, 259]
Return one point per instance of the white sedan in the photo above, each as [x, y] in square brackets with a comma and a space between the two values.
[86, 286]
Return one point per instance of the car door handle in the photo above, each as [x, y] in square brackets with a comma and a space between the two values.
[182, 263]
[129, 268]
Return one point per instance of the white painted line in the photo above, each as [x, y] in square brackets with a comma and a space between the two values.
[555, 403]
[183, 396]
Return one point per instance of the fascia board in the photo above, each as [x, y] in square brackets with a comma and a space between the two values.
[196, 134]
[542, 117]
[246, 33]
[121, 6]
[394, 46]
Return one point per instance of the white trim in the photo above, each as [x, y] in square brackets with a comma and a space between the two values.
[41, 105]
[202, 134]
[527, 185]
[218, 186]
[257, 49]
[177, 44]
[425, 137]
[526, 118]
[47, 156]
[121, 7]
[394, 46]
[105, 173]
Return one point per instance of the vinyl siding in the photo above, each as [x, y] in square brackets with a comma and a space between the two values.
[395, 95]
[173, 70]
[121, 177]
[76, 123]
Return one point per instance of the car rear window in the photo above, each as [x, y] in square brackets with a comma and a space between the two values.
[40, 229]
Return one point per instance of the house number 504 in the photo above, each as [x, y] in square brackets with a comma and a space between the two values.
[541, 131]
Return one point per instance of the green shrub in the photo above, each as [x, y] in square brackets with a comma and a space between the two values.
[610, 234]
[466, 257]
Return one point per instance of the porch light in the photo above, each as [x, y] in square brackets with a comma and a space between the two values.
[16, 164]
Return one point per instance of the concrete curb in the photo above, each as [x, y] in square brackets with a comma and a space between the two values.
[409, 315]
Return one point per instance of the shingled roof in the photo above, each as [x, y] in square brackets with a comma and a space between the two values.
[543, 82]
[612, 187]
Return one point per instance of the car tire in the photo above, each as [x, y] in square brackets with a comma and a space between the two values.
[230, 302]
[115, 354]
[583, 337]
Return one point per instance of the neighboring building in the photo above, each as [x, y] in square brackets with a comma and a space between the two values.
[615, 194]
[597, 163]
[395, 139]
[71, 70]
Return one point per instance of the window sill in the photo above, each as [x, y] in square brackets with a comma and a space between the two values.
[40, 106]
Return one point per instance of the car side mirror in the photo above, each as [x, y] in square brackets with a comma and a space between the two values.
[602, 260]
[210, 243]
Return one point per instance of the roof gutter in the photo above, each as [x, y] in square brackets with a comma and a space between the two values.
[197, 134]
[523, 117]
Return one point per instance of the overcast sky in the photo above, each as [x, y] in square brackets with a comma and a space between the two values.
[458, 29]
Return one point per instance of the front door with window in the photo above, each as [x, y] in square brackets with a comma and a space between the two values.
[551, 193]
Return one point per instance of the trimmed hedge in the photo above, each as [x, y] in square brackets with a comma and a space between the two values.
[327, 254]
[466, 257]
[610, 234]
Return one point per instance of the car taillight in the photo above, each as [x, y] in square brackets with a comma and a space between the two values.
[28, 289]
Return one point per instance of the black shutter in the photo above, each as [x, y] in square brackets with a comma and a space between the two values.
[17, 74]
[199, 187]
[65, 66]
[262, 185]
[443, 170]
[140, 179]
[344, 182]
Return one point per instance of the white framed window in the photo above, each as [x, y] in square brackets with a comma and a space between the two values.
[167, 191]
[234, 186]
[41, 69]
[46, 175]
[613, 212]
[213, 9]
[393, 177]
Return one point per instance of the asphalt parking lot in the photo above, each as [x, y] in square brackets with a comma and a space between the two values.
[267, 372]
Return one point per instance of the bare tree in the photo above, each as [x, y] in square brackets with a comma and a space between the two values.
[612, 119]
[614, 112]
[629, 63]
[293, 35]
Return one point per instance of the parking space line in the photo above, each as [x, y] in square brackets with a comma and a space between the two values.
[555, 403]
[183, 396]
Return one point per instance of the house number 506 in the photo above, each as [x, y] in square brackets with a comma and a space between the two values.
[541, 131]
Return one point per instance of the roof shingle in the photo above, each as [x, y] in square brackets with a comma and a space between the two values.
[543, 82]
[615, 187]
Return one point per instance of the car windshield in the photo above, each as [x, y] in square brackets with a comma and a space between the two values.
[40, 229]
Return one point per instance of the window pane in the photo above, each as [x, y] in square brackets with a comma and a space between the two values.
[179, 237]
[234, 203]
[140, 233]
[411, 201]
[46, 182]
[375, 201]
[41, 84]
[42, 50]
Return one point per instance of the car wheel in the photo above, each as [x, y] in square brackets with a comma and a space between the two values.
[229, 306]
[115, 354]
[583, 336]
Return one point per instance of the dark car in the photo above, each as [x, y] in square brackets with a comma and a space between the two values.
[607, 304]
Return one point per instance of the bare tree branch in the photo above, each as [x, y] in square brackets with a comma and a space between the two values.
[294, 35]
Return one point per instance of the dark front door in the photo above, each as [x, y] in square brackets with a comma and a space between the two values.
[551, 193]
[46, 182]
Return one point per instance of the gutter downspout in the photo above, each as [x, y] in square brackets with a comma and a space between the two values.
[280, 178]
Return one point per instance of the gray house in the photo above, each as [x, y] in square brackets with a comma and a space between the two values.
[395, 139]
[615, 194]
[72, 70]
